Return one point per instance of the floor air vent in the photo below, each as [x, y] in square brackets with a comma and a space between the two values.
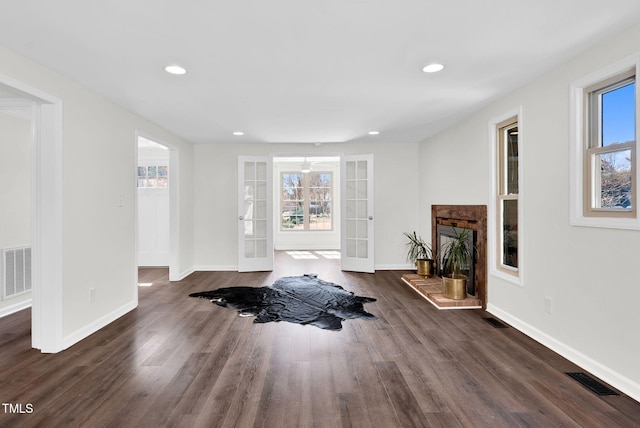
[494, 322]
[592, 384]
[17, 271]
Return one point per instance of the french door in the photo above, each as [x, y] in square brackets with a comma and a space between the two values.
[255, 214]
[357, 226]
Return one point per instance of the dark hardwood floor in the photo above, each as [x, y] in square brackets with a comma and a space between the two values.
[177, 361]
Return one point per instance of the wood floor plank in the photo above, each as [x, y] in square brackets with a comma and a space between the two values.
[177, 361]
[405, 404]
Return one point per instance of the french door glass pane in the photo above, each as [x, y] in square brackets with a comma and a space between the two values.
[351, 248]
[261, 248]
[362, 229]
[351, 231]
[261, 171]
[260, 229]
[249, 171]
[249, 249]
[362, 170]
[350, 170]
[363, 252]
[362, 209]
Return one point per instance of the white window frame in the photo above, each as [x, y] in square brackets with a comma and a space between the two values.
[579, 216]
[496, 268]
[306, 190]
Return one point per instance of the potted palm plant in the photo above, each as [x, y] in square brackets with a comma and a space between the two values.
[457, 254]
[419, 252]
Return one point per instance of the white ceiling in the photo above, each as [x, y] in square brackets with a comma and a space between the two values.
[306, 71]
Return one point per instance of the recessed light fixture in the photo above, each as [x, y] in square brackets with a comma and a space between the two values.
[175, 69]
[374, 132]
[433, 68]
[238, 133]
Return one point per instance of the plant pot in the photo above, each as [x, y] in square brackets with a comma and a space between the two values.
[425, 267]
[455, 287]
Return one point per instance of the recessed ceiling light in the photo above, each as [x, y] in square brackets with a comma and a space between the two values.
[374, 132]
[238, 133]
[433, 68]
[175, 69]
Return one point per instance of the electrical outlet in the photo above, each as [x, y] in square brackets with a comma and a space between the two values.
[92, 295]
[548, 305]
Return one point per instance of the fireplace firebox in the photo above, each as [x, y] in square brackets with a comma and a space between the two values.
[446, 234]
[471, 217]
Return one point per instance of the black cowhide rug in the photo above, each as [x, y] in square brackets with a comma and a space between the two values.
[297, 299]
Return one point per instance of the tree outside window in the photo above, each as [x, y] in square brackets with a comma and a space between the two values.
[305, 201]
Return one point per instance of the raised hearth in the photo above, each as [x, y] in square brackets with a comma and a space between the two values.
[431, 290]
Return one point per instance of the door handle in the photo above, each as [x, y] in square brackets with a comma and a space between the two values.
[370, 217]
[241, 217]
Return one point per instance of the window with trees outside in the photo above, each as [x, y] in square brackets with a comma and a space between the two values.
[610, 147]
[507, 195]
[305, 201]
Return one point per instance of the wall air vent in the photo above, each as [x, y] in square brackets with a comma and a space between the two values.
[17, 271]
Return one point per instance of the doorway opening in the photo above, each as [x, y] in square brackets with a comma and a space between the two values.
[153, 203]
[16, 199]
[156, 205]
[45, 195]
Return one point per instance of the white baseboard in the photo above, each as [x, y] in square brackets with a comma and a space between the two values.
[613, 378]
[225, 268]
[184, 274]
[307, 248]
[101, 322]
[15, 308]
[395, 267]
[213, 268]
[204, 268]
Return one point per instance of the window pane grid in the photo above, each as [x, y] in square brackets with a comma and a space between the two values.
[153, 176]
[306, 201]
[609, 181]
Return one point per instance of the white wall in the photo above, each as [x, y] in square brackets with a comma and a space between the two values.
[15, 193]
[590, 274]
[100, 145]
[215, 221]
